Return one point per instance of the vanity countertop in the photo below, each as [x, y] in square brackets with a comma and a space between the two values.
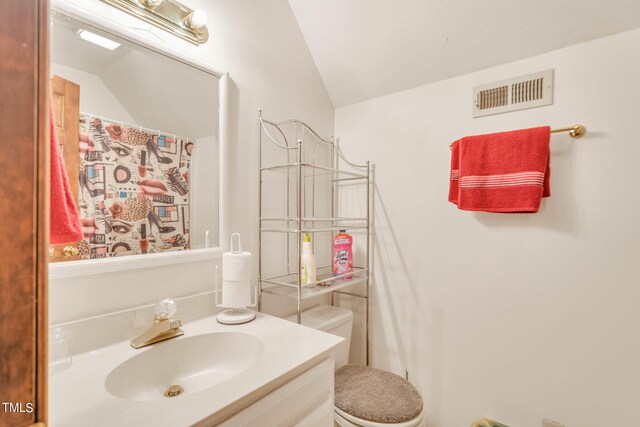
[78, 397]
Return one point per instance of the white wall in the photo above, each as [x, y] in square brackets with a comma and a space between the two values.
[261, 46]
[523, 316]
[95, 96]
[204, 193]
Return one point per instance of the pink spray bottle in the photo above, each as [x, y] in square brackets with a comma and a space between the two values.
[342, 254]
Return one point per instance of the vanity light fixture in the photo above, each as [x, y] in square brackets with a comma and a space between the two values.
[98, 39]
[169, 15]
[153, 3]
[197, 20]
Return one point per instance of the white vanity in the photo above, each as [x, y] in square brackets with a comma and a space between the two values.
[268, 372]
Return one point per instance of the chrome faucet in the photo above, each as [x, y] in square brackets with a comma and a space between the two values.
[163, 327]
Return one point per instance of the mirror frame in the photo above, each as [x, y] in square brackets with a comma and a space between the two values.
[101, 15]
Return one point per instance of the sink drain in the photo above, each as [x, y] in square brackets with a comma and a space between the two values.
[173, 391]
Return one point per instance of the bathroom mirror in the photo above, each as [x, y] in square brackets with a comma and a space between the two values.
[140, 131]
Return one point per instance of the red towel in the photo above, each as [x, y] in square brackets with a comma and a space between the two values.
[501, 172]
[64, 219]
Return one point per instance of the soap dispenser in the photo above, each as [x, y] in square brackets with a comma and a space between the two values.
[308, 263]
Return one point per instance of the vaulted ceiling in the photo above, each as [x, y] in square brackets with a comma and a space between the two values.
[368, 48]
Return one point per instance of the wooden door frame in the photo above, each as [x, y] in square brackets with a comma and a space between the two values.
[42, 191]
[24, 206]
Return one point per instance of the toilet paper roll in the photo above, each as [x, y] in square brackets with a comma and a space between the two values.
[236, 294]
[236, 266]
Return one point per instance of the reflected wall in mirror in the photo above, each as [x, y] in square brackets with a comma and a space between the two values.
[139, 138]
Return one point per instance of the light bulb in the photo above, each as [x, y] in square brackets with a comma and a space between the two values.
[98, 39]
[153, 3]
[197, 20]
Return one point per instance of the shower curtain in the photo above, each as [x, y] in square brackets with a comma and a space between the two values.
[133, 189]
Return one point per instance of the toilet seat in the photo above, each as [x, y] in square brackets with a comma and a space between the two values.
[347, 420]
[370, 397]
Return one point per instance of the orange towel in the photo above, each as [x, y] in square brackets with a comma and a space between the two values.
[64, 219]
[501, 172]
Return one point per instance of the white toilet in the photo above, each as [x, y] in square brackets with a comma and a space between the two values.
[339, 321]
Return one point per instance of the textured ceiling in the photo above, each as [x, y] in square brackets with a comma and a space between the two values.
[369, 48]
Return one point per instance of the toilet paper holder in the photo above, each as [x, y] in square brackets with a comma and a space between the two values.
[236, 289]
[239, 243]
[234, 302]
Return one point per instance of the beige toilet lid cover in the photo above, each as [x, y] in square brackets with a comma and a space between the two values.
[375, 395]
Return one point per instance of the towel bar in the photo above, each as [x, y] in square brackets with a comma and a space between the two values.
[576, 131]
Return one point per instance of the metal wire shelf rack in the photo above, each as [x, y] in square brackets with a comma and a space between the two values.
[303, 172]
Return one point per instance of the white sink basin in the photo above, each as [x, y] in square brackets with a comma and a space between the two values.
[193, 363]
[222, 368]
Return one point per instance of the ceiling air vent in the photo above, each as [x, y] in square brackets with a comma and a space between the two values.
[519, 93]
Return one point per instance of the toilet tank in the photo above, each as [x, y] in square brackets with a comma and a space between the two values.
[334, 320]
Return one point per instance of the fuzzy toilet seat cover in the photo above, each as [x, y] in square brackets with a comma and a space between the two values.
[375, 395]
